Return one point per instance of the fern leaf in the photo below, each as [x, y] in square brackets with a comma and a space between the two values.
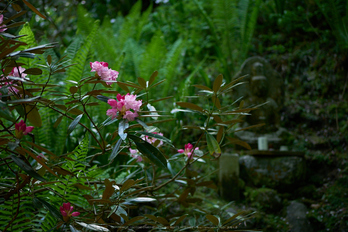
[75, 72]
[153, 56]
[170, 68]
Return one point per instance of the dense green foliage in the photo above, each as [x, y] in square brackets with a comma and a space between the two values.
[188, 42]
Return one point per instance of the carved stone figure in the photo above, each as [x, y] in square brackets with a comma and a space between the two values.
[264, 88]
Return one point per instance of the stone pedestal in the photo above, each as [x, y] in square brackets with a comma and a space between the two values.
[281, 170]
[229, 176]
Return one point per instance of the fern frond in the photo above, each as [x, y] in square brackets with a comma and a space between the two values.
[75, 72]
[84, 21]
[171, 66]
[8, 211]
[79, 156]
[153, 56]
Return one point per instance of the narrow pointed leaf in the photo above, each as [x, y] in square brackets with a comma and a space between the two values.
[249, 127]
[239, 142]
[213, 145]
[34, 9]
[203, 87]
[122, 126]
[127, 184]
[217, 83]
[122, 86]
[27, 168]
[51, 208]
[39, 160]
[74, 123]
[103, 98]
[116, 150]
[5, 112]
[108, 191]
[180, 219]
[142, 123]
[190, 106]
[33, 71]
[142, 82]
[149, 151]
[153, 77]
[33, 115]
[213, 219]
[93, 227]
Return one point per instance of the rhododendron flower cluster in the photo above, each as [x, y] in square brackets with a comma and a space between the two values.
[135, 154]
[126, 106]
[22, 129]
[188, 151]
[152, 140]
[9, 85]
[67, 211]
[2, 27]
[103, 71]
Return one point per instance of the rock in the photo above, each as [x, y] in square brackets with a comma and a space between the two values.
[296, 214]
[278, 172]
[264, 198]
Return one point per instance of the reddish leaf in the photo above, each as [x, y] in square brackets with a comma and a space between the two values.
[190, 106]
[109, 190]
[213, 219]
[239, 142]
[34, 9]
[217, 83]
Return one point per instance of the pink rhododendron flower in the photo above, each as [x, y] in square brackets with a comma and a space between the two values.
[18, 72]
[2, 27]
[22, 129]
[152, 140]
[41, 156]
[8, 84]
[126, 106]
[67, 211]
[103, 71]
[188, 150]
[135, 154]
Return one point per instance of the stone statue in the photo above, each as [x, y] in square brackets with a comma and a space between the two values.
[263, 88]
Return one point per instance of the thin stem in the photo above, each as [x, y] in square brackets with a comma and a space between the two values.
[64, 114]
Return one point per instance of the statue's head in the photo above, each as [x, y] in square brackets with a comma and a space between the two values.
[259, 86]
[257, 69]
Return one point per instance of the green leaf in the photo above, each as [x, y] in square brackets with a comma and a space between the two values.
[142, 199]
[213, 145]
[47, 205]
[5, 112]
[27, 168]
[142, 123]
[149, 151]
[74, 123]
[25, 100]
[109, 121]
[103, 98]
[116, 150]
[122, 126]
[93, 227]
